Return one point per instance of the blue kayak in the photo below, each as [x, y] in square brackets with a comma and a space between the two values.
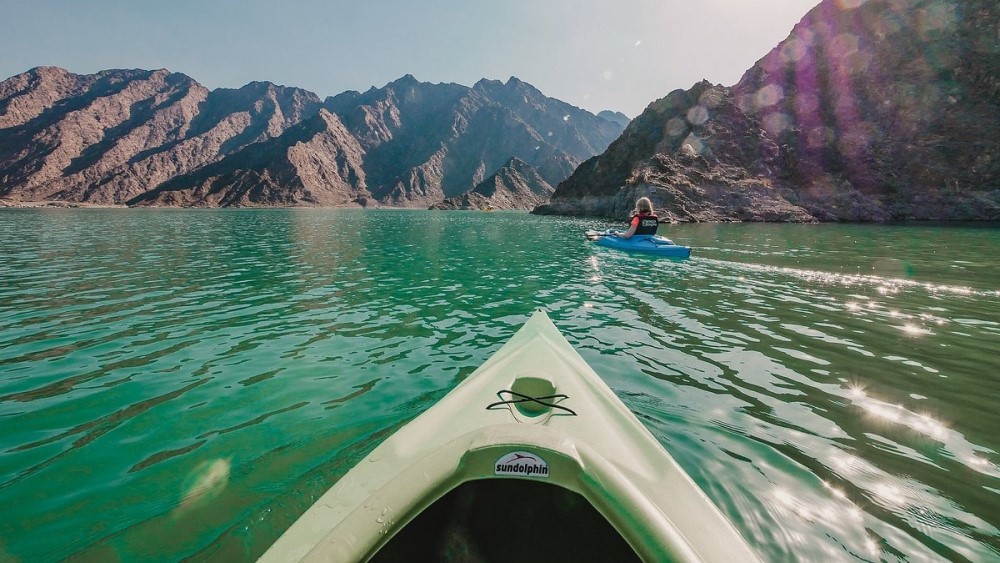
[647, 244]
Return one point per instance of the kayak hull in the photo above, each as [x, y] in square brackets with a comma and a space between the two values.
[645, 244]
[576, 436]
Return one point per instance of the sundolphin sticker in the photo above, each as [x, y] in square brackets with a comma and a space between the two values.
[522, 464]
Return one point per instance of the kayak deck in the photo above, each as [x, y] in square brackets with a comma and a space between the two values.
[534, 417]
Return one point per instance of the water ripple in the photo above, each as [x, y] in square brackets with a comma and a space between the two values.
[212, 373]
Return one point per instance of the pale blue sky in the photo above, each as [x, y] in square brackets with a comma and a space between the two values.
[612, 54]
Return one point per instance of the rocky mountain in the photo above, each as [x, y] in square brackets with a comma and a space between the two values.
[315, 162]
[615, 116]
[426, 142]
[876, 110]
[516, 185]
[112, 136]
[570, 128]
[159, 138]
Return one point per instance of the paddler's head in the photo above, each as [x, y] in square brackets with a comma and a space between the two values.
[644, 205]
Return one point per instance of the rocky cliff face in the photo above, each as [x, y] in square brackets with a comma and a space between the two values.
[426, 142]
[159, 138]
[571, 129]
[516, 185]
[316, 162]
[111, 136]
[870, 111]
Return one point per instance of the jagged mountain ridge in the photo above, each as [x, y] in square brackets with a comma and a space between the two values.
[111, 136]
[615, 116]
[315, 162]
[572, 129]
[516, 185]
[869, 111]
[425, 142]
[133, 136]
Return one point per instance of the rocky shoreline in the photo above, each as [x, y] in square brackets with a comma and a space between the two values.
[56, 204]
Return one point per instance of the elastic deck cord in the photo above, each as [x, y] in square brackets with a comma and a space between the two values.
[518, 398]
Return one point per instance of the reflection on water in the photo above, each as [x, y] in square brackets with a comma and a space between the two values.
[203, 485]
[203, 376]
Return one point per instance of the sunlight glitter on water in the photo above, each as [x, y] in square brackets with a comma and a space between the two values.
[923, 424]
[270, 340]
[895, 413]
[885, 286]
[914, 330]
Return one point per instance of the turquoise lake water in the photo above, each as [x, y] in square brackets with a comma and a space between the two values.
[184, 383]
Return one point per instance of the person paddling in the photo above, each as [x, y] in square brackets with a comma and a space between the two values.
[644, 222]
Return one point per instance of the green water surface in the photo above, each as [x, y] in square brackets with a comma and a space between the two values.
[184, 383]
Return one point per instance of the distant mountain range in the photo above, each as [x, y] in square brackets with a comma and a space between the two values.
[141, 137]
[878, 110]
[874, 110]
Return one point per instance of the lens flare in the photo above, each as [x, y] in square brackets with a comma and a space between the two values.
[676, 127]
[768, 96]
[776, 123]
[849, 4]
[843, 45]
[794, 50]
[692, 145]
[697, 115]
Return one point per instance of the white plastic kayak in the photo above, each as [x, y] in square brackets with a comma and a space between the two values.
[531, 457]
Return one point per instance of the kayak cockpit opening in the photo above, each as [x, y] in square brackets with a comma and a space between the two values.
[508, 520]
